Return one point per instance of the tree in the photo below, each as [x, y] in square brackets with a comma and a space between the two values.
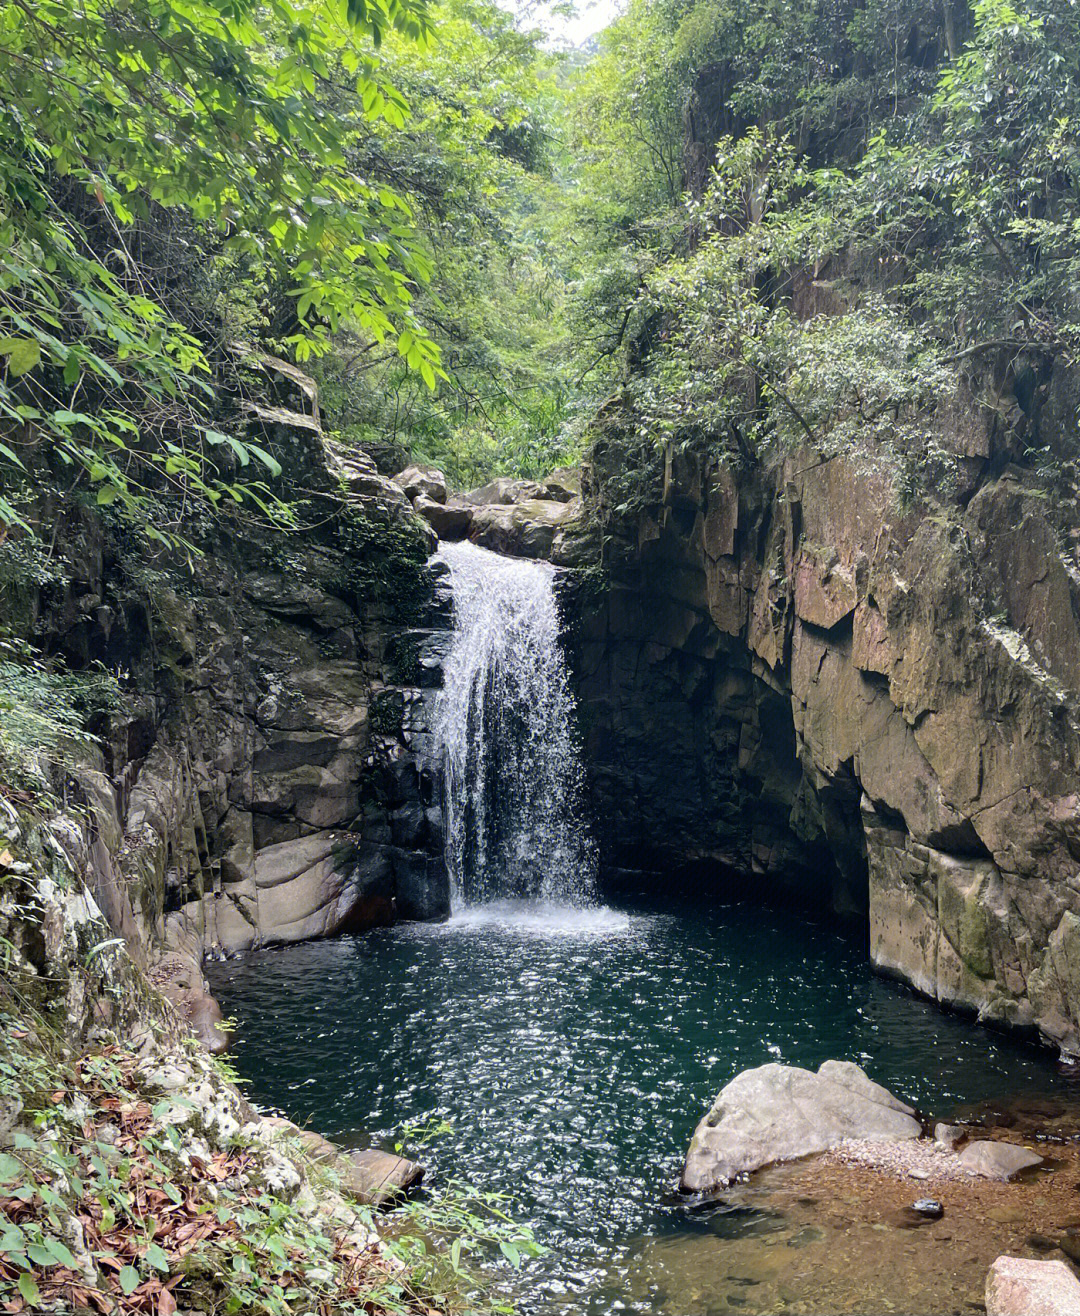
[120, 117]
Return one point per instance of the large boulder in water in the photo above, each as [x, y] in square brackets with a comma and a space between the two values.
[780, 1112]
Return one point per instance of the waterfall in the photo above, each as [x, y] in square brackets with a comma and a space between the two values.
[504, 721]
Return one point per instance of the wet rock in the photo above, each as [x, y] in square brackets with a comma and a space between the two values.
[1016, 1286]
[780, 1112]
[370, 1176]
[1069, 1243]
[449, 520]
[422, 481]
[523, 529]
[997, 1160]
[377, 1177]
[948, 1135]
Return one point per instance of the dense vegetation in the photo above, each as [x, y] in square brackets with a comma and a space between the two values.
[472, 239]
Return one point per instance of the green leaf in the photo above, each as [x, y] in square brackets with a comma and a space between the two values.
[129, 1279]
[10, 1169]
[30, 1292]
[157, 1258]
[12, 1240]
[272, 465]
[61, 1253]
[511, 1253]
[23, 354]
[107, 495]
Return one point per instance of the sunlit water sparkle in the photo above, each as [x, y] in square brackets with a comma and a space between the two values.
[574, 1050]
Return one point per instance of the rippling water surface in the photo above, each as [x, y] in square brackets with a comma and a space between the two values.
[574, 1051]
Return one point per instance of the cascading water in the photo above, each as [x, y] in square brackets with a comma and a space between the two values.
[504, 720]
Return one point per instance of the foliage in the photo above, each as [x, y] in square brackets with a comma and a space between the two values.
[184, 130]
[97, 1173]
[479, 169]
[892, 194]
[44, 711]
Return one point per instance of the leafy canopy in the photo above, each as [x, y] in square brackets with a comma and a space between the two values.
[117, 113]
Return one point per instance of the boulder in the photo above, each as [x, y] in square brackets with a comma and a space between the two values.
[503, 492]
[563, 485]
[997, 1160]
[525, 529]
[376, 1177]
[1016, 1286]
[372, 1177]
[422, 481]
[449, 520]
[780, 1112]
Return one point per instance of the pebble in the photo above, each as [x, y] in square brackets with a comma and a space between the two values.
[928, 1206]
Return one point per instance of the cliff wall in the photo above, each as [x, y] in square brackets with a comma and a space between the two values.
[258, 781]
[795, 680]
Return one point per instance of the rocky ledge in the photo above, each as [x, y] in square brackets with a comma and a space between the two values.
[522, 518]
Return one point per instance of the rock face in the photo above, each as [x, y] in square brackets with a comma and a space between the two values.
[1016, 1286]
[798, 681]
[521, 518]
[261, 780]
[780, 1112]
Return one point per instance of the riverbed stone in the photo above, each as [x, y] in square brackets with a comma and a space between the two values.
[781, 1112]
[1017, 1286]
[376, 1177]
[371, 1176]
[998, 1160]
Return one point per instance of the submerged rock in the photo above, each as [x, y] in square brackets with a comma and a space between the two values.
[998, 1160]
[781, 1112]
[1016, 1286]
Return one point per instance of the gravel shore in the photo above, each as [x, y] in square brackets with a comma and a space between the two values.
[920, 1159]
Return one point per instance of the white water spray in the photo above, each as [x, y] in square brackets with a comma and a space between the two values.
[513, 781]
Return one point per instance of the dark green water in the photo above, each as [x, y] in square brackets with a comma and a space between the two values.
[574, 1053]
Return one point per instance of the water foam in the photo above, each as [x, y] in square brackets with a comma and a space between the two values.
[513, 781]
